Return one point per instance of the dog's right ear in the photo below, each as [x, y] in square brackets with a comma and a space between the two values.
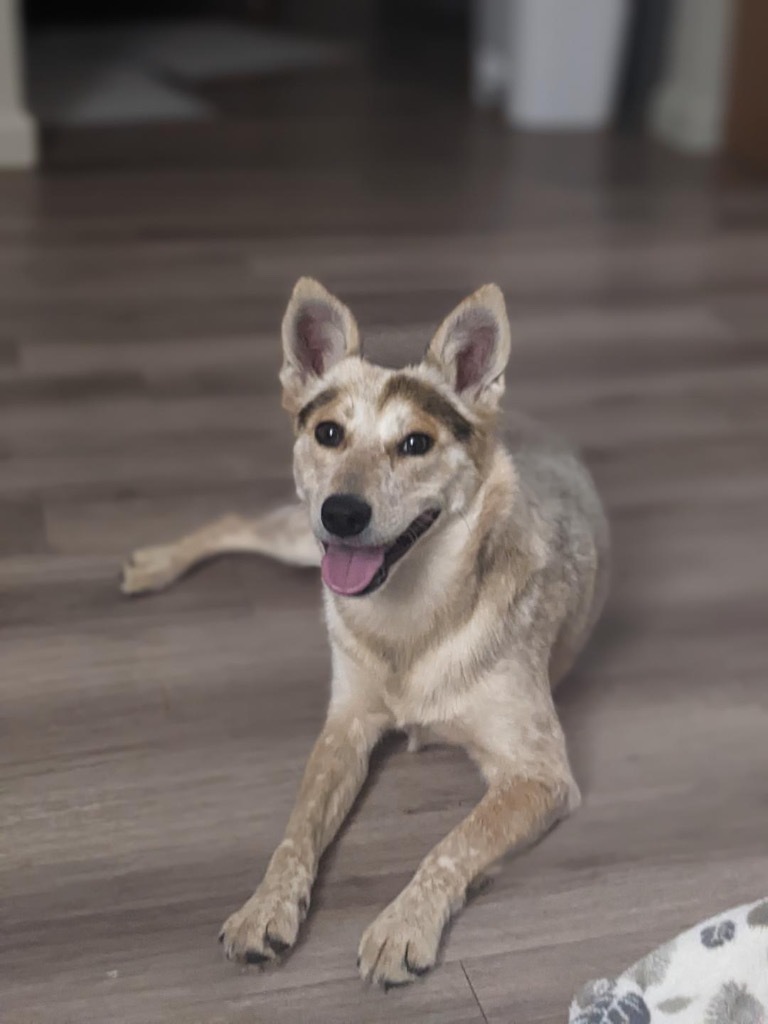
[471, 348]
[318, 332]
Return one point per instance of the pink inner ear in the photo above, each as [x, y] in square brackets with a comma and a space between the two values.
[314, 338]
[474, 358]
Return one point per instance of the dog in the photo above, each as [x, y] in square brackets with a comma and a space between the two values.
[462, 576]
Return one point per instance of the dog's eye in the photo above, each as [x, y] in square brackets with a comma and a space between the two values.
[415, 444]
[329, 434]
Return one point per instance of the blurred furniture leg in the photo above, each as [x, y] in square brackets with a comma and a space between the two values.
[564, 62]
[747, 118]
[643, 63]
[489, 51]
[689, 106]
[17, 131]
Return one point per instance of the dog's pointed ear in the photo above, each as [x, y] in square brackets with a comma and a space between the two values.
[471, 347]
[318, 332]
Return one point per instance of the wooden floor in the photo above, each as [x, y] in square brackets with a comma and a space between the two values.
[151, 749]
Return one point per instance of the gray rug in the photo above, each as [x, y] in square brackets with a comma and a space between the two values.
[146, 72]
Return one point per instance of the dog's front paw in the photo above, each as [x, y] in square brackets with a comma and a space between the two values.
[403, 941]
[149, 569]
[268, 924]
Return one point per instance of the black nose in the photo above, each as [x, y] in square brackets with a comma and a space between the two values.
[344, 515]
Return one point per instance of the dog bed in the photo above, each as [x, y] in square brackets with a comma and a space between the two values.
[715, 973]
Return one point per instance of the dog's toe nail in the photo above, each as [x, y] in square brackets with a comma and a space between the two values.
[386, 984]
[416, 969]
[253, 956]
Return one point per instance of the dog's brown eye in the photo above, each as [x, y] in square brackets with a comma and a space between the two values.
[415, 444]
[329, 434]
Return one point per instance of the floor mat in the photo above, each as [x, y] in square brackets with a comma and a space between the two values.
[145, 72]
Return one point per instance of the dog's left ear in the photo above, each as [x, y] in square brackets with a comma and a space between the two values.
[471, 347]
[318, 332]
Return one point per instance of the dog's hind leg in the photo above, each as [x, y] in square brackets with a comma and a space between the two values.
[284, 534]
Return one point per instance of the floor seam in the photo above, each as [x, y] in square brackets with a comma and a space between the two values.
[472, 990]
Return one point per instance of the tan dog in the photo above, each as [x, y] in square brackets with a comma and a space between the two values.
[461, 579]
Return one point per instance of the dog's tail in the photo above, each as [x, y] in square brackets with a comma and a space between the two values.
[284, 534]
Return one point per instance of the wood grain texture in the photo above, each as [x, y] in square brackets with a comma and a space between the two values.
[151, 749]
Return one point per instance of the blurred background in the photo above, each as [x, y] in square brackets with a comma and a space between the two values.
[684, 71]
[167, 170]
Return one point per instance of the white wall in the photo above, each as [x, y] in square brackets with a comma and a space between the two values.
[17, 131]
[552, 64]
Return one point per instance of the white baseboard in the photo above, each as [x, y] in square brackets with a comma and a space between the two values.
[18, 140]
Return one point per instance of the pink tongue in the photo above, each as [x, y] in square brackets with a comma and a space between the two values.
[350, 570]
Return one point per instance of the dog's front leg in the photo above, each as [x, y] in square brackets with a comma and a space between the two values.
[402, 943]
[268, 923]
[529, 787]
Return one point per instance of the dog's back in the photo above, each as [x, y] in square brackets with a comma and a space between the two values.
[567, 514]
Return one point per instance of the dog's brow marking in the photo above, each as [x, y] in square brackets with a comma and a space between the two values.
[316, 403]
[430, 401]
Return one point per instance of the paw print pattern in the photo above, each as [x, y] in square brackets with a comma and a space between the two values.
[714, 936]
[614, 1009]
[758, 915]
[733, 1004]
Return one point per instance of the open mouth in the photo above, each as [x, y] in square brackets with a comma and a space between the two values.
[355, 572]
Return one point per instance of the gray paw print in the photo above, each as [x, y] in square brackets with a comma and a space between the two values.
[612, 1009]
[717, 935]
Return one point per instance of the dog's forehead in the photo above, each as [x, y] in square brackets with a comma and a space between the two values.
[366, 402]
[359, 380]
